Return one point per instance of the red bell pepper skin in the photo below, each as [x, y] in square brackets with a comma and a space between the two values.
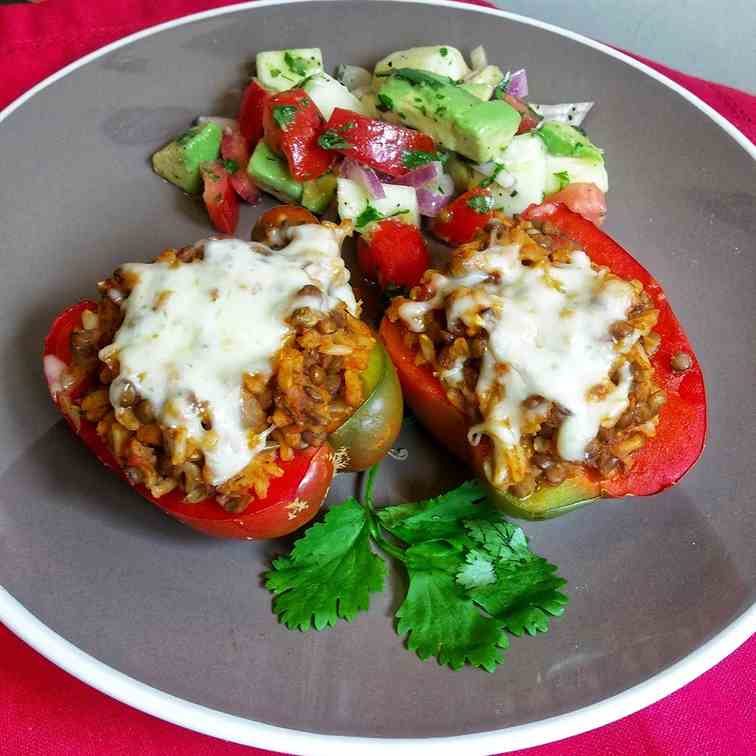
[234, 147]
[460, 221]
[681, 432]
[393, 253]
[292, 499]
[251, 112]
[219, 197]
[383, 146]
[292, 124]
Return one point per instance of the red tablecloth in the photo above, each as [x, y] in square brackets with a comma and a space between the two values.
[46, 712]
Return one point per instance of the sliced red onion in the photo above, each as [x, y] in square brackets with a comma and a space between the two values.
[420, 176]
[432, 197]
[518, 84]
[573, 113]
[219, 120]
[364, 176]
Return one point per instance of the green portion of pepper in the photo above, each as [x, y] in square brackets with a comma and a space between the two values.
[369, 433]
[548, 501]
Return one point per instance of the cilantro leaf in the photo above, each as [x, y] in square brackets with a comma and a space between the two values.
[437, 518]
[439, 620]
[385, 103]
[330, 572]
[563, 177]
[488, 180]
[480, 203]
[230, 165]
[524, 593]
[296, 64]
[284, 115]
[330, 139]
[371, 214]
[416, 158]
[477, 571]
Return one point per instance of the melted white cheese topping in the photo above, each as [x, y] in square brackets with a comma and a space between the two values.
[548, 335]
[190, 331]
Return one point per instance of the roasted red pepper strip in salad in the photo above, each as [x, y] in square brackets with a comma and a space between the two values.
[393, 253]
[252, 112]
[292, 124]
[385, 147]
[460, 221]
[661, 462]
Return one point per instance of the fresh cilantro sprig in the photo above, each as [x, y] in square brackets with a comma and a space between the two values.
[472, 577]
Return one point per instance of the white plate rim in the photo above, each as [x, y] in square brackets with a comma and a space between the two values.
[248, 732]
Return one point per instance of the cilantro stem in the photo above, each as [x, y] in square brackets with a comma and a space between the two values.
[375, 528]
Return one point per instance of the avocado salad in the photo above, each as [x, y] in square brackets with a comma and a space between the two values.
[403, 141]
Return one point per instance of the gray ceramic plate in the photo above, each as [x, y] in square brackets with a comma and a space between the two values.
[181, 621]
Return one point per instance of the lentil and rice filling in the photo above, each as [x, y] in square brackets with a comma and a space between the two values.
[546, 353]
[216, 363]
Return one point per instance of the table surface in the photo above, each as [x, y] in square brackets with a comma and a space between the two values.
[679, 34]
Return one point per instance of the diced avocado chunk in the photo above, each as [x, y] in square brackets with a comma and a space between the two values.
[271, 173]
[179, 161]
[455, 118]
[439, 59]
[563, 140]
[285, 69]
[318, 193]
[482, 83]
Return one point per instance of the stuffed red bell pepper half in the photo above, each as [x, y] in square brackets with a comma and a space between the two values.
[550, 360]
[229, 380]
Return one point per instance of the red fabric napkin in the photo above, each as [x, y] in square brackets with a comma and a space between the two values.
[46, 712]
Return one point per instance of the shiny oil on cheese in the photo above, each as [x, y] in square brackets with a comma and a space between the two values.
[548, 335]
[191, 331]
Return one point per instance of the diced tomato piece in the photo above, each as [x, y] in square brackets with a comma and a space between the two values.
[235, 148]
[252, 110]
[530, 118]
[292, 124]
[383, 146]
[220, 198]
[393, 253]
[460, 221]
[584, 199]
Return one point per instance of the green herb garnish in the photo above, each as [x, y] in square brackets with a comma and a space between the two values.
[416, 158]
[296, 64]
[488, 180]
[284, 115]
[481, 203]
[330, 139]
[444, 51]
[385, 103]
[371, 214]
[471, 575]
[231, 166]
[563, 178]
